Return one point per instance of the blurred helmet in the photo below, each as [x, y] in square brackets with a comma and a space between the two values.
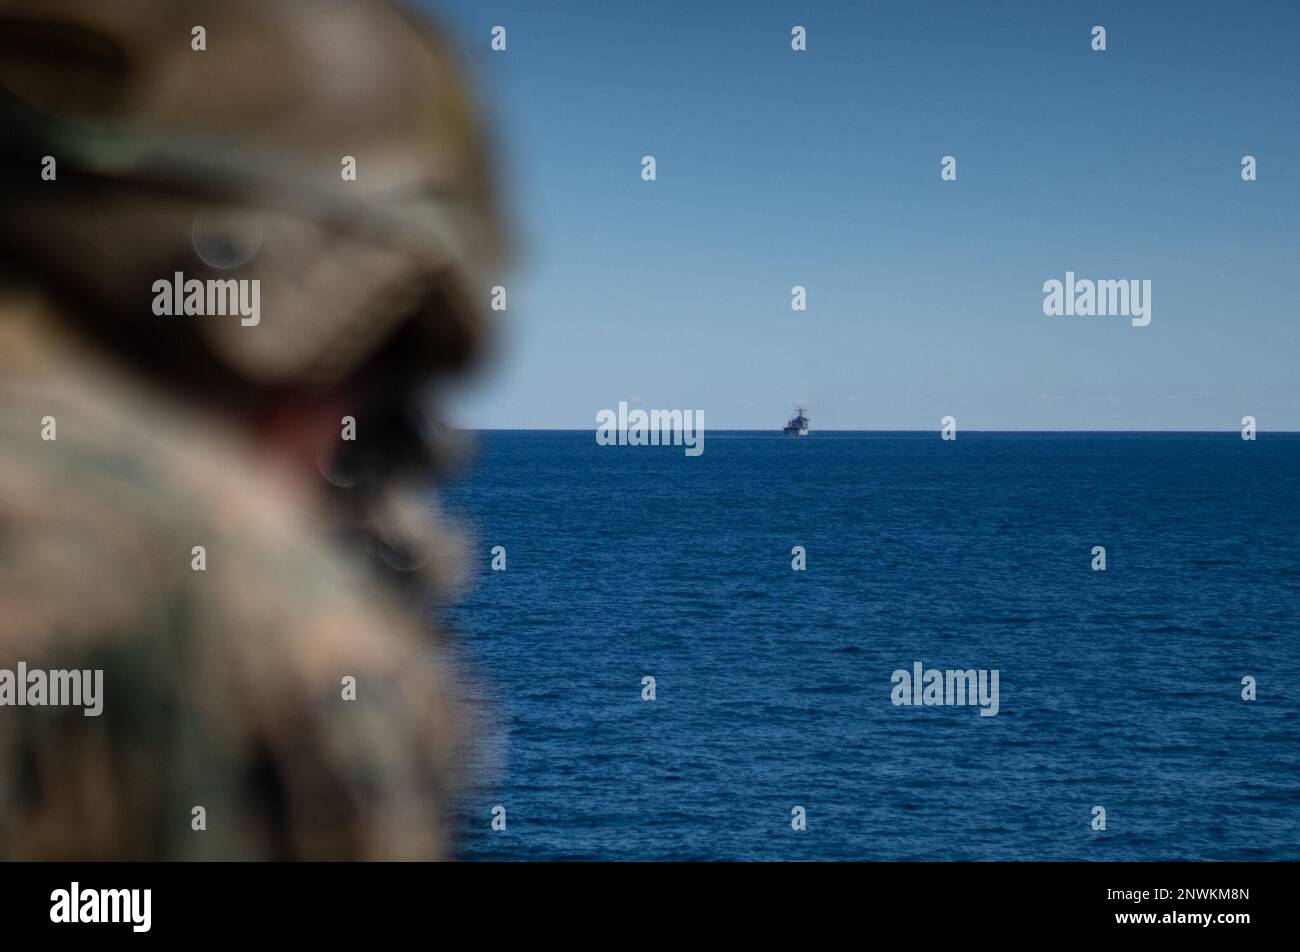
[227, 162]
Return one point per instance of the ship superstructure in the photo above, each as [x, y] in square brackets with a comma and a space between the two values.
[798, 426]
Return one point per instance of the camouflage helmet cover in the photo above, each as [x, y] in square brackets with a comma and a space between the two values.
[227, 162]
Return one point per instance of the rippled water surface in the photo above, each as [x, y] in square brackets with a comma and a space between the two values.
[1119, 688]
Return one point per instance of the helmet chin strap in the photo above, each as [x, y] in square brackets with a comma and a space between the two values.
[375, 486]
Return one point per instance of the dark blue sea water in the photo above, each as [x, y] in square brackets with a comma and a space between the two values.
[1119, 688]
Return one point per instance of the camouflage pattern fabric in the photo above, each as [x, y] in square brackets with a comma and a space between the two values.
[222, 688]
[225, 688]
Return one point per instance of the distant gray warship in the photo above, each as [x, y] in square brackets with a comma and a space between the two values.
[798, 426]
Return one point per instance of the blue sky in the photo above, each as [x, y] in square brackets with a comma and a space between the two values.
[821, 169]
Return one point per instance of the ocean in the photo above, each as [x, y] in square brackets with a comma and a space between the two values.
[1119, 689]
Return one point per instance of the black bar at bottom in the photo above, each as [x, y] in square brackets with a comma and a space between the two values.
[332, 902]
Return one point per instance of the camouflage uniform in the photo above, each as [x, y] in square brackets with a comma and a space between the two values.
[223, 688]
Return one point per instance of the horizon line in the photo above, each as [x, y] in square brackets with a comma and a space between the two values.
[741, 429]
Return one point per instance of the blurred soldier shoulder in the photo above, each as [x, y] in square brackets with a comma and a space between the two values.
[248, 667]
